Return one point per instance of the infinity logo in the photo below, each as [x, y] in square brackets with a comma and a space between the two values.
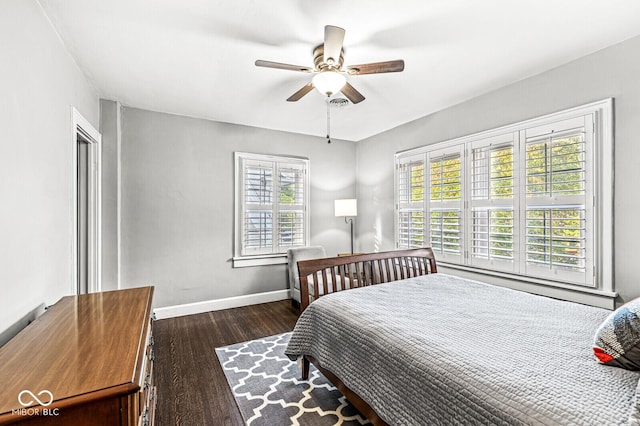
[35, 398]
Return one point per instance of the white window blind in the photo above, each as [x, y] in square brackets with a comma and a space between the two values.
[445, 182]
[559, 200]
[445, 228]
[492, 235]
[532, 199]
[410, 212]
[492, 172]
[492, 203]
[271, 204]
[556, 237]
[445, 188]
[258, 206]
[291, 223]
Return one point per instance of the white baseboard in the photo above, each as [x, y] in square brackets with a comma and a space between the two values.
[219, 304]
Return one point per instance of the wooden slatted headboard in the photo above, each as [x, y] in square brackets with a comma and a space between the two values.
[345, 272]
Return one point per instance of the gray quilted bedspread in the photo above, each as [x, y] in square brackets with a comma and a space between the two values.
[438, 350]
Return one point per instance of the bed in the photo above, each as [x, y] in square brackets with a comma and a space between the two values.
[408, 345]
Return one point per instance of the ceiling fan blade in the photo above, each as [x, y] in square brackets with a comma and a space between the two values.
[376, 67]
[333, 39]
[352, 94]
[300, 93]
[281, 66]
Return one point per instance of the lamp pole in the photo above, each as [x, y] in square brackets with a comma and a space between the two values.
[350, 222]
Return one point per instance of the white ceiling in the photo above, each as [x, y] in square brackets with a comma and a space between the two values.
[196, 57]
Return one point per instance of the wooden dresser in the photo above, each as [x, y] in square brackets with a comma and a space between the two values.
[88, 360]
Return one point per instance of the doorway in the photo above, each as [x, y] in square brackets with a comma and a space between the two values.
[86, 206]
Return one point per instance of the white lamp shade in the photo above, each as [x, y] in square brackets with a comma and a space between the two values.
[346, 207]
[329, 82]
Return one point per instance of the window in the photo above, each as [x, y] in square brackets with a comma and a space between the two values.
[492, 203]
[411, 203]
[533, 199]
[271, 206]
[558, 202]
[445, 202]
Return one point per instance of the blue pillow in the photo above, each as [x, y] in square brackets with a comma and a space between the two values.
[617, 341]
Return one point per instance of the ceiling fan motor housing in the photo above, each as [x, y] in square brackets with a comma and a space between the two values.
[318, 60]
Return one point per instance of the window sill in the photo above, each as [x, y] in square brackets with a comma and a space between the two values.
[573, 293]
[259, 260]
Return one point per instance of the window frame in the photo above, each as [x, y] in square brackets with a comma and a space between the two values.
[278, 253]
[600, 194]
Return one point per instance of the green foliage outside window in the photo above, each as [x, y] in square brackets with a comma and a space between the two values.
[446, 179]
[501, 173]
[555, 236]
[417, 182]
[556, 167]
[288, 187]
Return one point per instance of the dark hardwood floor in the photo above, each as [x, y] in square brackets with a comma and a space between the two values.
[192, 389]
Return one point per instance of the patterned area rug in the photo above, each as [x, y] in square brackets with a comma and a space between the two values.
[269, 392]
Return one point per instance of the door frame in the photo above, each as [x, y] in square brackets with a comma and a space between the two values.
[82, 127]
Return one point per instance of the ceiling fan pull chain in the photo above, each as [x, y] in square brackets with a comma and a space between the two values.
[328, 120]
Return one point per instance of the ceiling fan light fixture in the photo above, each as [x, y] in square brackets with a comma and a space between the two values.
[329, 82]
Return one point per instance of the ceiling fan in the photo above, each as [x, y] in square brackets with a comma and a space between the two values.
[329, 77]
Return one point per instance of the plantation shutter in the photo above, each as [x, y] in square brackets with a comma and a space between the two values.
[273, 214]
[530, 200]
[493, 209]
[258, 202]
[291, 206]
[559, 208]
[445, 202]
[410, 211]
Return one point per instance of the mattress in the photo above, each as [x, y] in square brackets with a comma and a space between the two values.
[443, 350]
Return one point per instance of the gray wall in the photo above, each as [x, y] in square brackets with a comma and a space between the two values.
[39, 82]
[110, 131]
[612, 72]
[177, 203]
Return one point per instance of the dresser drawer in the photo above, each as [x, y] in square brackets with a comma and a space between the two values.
[147, 386]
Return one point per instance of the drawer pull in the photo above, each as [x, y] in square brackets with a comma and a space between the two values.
[147, 381]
